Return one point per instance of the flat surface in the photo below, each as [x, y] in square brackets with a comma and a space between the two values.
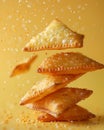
[19, 21]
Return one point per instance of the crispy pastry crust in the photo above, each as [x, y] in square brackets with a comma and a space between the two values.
[57, 102]
[75, 113]
[47, 86]
[55, 36]
[68, 63]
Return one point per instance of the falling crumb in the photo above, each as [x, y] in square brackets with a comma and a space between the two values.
[73, 11]
[28, 5]
[43, 18]
[24, 27]
[79, 6]
[4, 49]
[23, 85]
[69, 8]
[44, 2]
[19, 1]
[17, 19]
[88, 127]
[69, 19]
[5, 82]
[18, 120]
[86, 4]
[16, 50]
[4, 28]
[19, 38]
[79, 17]
[17, 11]
[65, 126]
[10, 17]
[29, 21]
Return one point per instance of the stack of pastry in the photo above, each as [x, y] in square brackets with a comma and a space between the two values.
[52, 96]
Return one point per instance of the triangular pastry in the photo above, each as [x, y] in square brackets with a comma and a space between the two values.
[54, 37]
[75, 113]
[46, 86]
[68, 63]
[56, 103]
[23, 67]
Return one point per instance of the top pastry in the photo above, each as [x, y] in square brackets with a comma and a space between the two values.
[55, 36]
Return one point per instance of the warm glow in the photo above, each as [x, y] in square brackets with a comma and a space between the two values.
[20, 20]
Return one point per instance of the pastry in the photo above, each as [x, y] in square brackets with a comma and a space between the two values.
[47, 86]
[68, 63]
[55, 36]
[75, 113]
[23, 67]
[59, 101]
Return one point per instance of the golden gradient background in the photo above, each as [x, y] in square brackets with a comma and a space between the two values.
[22, 19]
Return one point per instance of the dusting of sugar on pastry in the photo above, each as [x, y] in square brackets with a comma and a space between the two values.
[55, 36]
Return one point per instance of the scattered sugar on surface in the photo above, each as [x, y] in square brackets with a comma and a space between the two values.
[7, 117]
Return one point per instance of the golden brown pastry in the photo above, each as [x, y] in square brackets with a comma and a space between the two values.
[68, 63]
[54, 37]
[75, 113]
[59, 101]
[23, 67]
[47, 86]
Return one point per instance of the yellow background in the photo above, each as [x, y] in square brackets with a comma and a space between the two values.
[22, 19]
